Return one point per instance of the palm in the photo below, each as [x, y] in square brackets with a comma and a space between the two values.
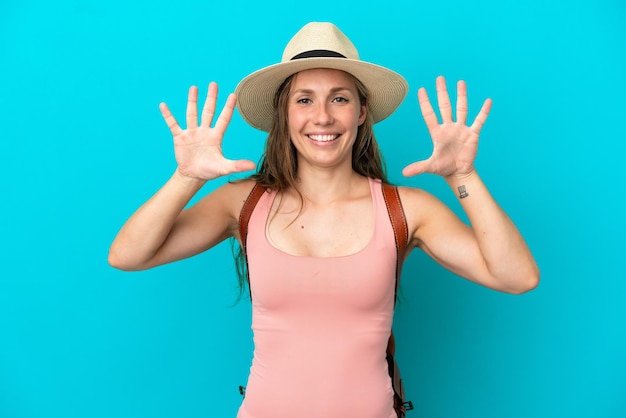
[198, 148]
[455, 144]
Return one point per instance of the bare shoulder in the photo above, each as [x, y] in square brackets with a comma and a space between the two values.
[226, 202]
[230, 196]
[414, 199]
[237, 191]
[421, 208]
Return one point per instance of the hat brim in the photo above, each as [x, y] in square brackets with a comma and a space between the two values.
[255, 93]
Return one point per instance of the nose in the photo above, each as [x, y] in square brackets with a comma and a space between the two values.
[323, 115]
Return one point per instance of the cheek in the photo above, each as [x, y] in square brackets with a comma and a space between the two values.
[294, 119]
[351, 116]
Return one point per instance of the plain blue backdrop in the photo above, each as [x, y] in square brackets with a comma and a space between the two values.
[83, 145]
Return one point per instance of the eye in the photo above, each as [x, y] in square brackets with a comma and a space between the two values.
[303, 100]
[340, 99]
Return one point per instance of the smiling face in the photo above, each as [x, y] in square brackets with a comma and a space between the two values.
[324, 112]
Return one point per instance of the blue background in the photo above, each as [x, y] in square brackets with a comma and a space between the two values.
[83, 145]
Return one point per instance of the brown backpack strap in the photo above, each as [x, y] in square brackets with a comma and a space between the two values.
[246, 211]
[244, 219]
[401, 235]
[399, 225]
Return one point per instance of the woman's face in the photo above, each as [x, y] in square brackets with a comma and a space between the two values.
[324, 113]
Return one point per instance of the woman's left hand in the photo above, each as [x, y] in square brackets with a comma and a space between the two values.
[455, 144]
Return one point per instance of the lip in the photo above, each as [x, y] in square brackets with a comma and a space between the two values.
[323, 138]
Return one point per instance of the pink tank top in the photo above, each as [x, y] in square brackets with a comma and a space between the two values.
[321, 326]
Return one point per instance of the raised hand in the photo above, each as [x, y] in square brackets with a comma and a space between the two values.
[198, 148]
[455, 144]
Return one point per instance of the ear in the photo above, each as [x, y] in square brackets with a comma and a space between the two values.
[363, 114]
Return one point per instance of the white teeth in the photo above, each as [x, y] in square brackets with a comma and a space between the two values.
[323, 138]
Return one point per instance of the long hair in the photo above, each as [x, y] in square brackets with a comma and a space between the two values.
[278, 166]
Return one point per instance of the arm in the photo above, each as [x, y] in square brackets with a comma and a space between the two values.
[491, 252]
[160, 231]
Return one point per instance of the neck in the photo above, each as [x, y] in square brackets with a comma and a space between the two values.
[324, 185]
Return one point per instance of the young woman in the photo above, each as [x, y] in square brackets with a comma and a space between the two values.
[320, 247]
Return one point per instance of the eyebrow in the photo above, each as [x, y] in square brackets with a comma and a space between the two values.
[332, 91]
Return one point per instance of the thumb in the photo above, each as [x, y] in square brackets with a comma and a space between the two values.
[242, 165]
[416, 168]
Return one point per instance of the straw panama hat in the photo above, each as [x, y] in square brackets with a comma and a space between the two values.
[318, 45]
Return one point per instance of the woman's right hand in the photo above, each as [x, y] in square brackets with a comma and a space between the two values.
[198, 148]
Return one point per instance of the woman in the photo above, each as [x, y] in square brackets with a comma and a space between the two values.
[320, 247]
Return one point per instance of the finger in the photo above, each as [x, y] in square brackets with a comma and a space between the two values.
[243, 165]
[416, 168]
[208, 111]
[461, 102]
[226, 114]
[234, 166]
[169, 119]
[481, 118]
[429, 115]
[443, 99]
[192, 107]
